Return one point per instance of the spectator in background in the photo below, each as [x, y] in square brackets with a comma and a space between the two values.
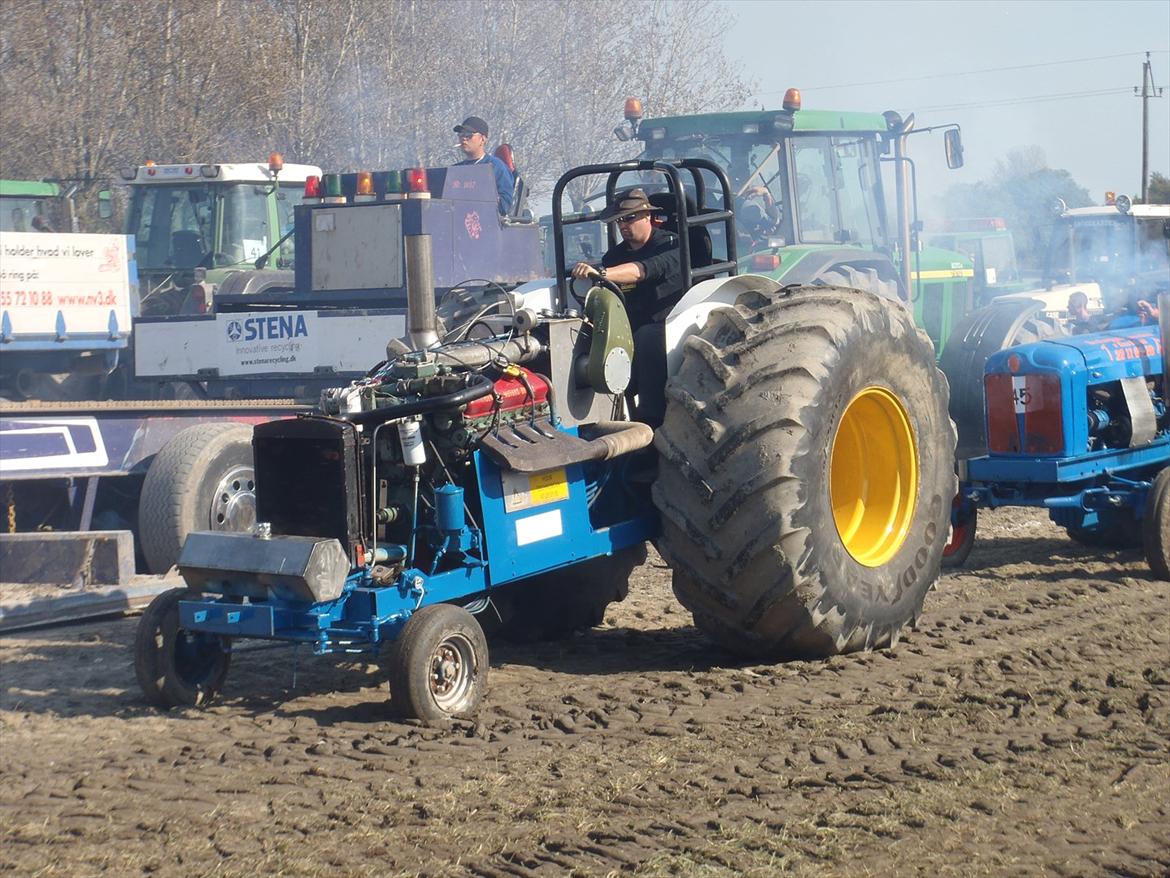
[473, 133]
[1078, 311]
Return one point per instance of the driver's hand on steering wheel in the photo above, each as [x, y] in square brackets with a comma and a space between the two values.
[584, 270]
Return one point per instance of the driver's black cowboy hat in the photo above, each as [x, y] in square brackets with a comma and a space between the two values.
[630, 201]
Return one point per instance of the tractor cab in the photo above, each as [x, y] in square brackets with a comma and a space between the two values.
[197, 224]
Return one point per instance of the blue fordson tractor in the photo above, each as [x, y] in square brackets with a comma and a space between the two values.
[1078, 426]
[486, 476]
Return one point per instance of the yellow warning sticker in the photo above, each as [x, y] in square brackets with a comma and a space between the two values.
[524, 491]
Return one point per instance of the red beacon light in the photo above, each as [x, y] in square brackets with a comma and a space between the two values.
[312, 189]
[792, 100]
[150, 168]
[416, 183]
[275, 163]
[633, 109]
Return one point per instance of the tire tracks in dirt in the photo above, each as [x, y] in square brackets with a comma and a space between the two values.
[1023, 728]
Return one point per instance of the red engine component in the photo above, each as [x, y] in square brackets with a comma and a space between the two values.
[512, 395]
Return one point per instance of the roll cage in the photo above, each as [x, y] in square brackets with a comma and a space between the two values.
[704, 215]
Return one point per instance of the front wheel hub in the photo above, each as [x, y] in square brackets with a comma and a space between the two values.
[873, 476]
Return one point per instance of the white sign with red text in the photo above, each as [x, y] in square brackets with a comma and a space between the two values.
[50, 281]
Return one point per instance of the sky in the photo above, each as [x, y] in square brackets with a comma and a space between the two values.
[1071, 91]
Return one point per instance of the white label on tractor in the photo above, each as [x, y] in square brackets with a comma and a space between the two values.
[323, 221]
[535, 528]
[523, 491]
[1021, 396]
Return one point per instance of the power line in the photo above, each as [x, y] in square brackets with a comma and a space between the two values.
[1034, 99]
[964, 72]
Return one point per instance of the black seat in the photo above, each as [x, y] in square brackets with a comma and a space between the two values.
[186, 249]
[518, 212]
[698, 237]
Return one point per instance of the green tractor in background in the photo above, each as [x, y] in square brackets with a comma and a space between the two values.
[989, 243]
[811, 204]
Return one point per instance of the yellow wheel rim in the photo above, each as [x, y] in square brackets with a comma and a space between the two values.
[873, 476]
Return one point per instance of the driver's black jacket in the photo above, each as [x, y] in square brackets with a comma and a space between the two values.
[651, 298]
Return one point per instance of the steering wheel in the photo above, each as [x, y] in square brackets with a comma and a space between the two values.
[595, 281]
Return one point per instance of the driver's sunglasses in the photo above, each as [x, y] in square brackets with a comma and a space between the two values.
[630, 218]
[467, 135]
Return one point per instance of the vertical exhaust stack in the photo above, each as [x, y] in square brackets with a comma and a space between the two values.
[421, 325]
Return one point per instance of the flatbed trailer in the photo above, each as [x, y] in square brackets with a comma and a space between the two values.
[97, 466]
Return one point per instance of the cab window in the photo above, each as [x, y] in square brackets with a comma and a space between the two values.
[245, 224]
[173, 225]
[855, 174]
[816, 208]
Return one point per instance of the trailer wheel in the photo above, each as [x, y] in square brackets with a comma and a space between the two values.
[806, 472]
[176, 667]
[554, 605]
[439, 665]
[1156, 527]
[963, 525]
[203, 479]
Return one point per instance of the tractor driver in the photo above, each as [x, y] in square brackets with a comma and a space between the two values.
[646, 267]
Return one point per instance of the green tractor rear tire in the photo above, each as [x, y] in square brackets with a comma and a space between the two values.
[806, 472]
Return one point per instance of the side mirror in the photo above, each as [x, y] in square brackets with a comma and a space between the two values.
[953, 144]
[105, 204]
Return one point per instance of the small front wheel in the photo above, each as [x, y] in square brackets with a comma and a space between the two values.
[176, 667]
[440, 665]
[963, 524]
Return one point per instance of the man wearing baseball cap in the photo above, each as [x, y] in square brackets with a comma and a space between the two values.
[646, 266]
[473, 132]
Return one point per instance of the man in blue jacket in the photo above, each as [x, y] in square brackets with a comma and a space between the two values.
[473, 133]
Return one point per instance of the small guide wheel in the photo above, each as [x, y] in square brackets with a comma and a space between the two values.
[439, 666]
[176, 667]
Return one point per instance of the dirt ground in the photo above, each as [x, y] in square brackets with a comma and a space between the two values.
[1023, 729]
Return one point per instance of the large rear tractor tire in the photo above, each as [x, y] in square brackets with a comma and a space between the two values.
[806, 472]
[203, 479]
[554, 605]
[1156, 527]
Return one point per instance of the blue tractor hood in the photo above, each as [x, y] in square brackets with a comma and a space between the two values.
[1107, 356]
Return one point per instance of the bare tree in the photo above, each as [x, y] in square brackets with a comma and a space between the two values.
[89, 85]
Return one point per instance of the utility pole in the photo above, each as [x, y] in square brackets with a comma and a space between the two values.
[1147, 91]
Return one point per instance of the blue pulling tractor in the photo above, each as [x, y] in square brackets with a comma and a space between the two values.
[1078, 426]
[482, 474]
